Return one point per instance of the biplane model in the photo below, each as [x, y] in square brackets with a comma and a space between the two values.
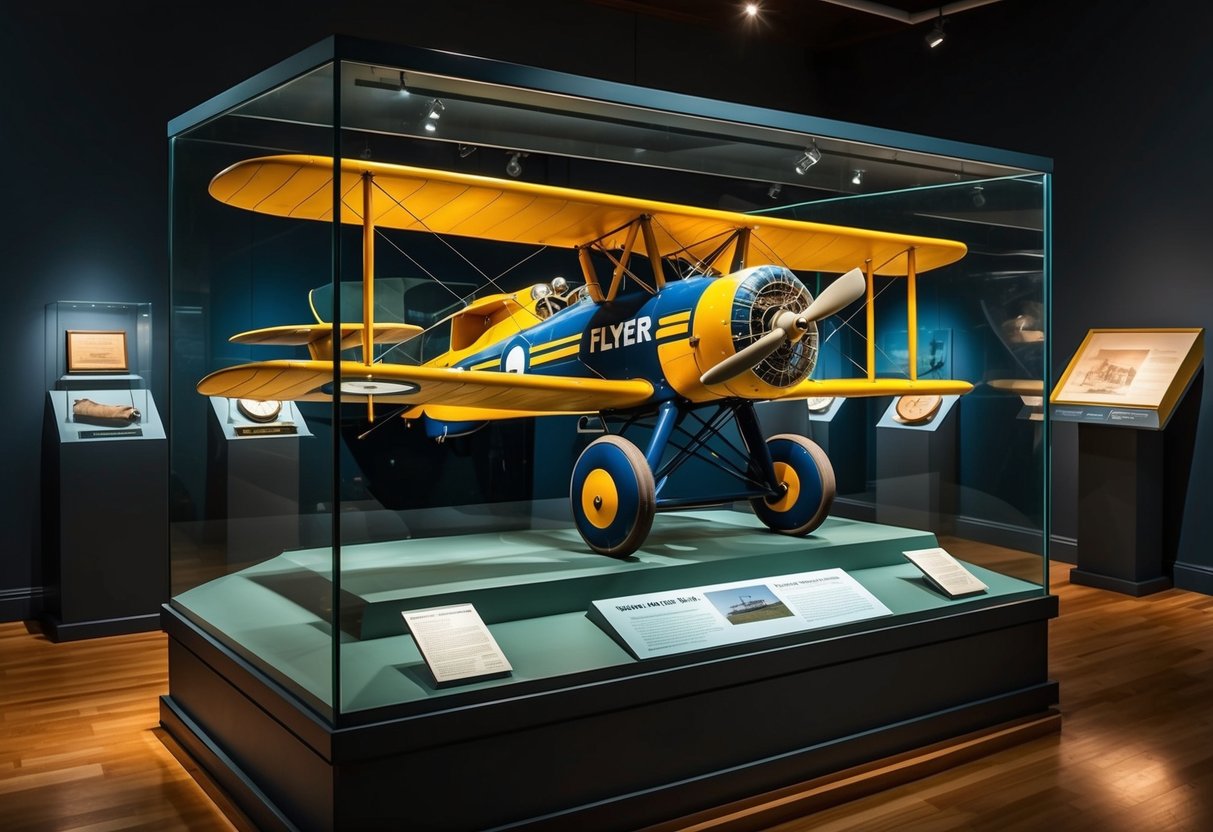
[682, 337]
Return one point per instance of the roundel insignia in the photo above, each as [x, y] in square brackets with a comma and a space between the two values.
[515, 358]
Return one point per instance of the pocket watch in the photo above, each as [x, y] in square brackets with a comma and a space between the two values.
[916, 409]
[258, 411]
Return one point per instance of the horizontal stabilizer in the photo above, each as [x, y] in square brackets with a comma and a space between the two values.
[316, 337]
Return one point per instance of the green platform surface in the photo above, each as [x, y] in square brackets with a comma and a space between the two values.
[533, 587]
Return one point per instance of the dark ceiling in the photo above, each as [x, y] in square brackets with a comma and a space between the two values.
[815, 24]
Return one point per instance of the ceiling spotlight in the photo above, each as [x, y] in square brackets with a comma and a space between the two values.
[751, 9]
[432, 113]
[810, 157]
[466, 150]
[935, 36]
[978, 196]
[514, 167]
[857, 176]
[773, 191]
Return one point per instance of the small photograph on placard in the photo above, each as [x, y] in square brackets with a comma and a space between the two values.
[747, 604]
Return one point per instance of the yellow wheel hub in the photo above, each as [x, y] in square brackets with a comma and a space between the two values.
[786, 475]
[599, 498]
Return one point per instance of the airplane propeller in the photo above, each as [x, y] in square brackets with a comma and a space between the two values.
[789, 327]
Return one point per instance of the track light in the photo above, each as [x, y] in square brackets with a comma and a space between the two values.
[810, 157]
[978, 196]
[466, 150]
[857, 176]
[432, 113]
[935, 36]
[383, 84]
[514, 167]
[773, 191]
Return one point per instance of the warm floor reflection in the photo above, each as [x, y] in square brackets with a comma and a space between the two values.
[1136, 745]
[79, 747]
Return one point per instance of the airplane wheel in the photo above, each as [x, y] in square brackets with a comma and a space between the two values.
[806, 479]
[613, 496]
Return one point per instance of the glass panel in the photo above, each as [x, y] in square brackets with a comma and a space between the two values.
[439, 505]
[981, 319]
[252, 480]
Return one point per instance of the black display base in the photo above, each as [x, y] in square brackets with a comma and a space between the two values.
[916, 475]
[1134, 588]
[620, 748]
[1120, 510]
[105, 539]
[57, 631]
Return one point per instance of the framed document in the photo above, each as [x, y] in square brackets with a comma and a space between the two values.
[1132, 368]
[96, 351]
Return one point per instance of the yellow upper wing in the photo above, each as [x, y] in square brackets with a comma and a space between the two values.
[309, 381]
[445, 202]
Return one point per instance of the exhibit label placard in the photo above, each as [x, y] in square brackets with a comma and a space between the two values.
[678, 621]
[96, 351]
[1128, 377]
[945, 573]
[456, 644]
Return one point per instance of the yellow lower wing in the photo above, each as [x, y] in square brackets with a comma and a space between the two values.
[860, 387]
[511, 393]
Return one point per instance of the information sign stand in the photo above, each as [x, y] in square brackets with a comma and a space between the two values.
[1121, 387]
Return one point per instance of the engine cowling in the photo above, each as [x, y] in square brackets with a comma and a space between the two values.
[737, 310]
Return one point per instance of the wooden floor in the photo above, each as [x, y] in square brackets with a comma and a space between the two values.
[80, 748]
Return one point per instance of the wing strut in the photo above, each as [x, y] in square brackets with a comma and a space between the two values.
[650, 244]
[642, 225]
[741, 254]
[368, 283]
[871, 309]
[912, 313]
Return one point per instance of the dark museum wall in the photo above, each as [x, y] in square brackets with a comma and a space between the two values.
[90, 88]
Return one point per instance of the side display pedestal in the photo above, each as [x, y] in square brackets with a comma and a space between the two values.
[255, 477]
[916, 470]
[105, 512]
[1120, 504]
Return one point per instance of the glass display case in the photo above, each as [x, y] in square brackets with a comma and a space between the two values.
[492, 220]
[103, 458]
[98, 371]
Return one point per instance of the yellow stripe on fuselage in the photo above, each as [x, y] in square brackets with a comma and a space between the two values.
[492, 362]
[550, 345]
[667, 331]
[677, 317]
[555, 354]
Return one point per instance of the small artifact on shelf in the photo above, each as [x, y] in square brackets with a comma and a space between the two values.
[89, 409]
[259, 411]
[819, 404]
[916, 409]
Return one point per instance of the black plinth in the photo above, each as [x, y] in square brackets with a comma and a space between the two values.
[613, 749]
[1120, 510]
[105, 539]
[916, 474]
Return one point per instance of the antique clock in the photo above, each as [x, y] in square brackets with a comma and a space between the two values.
[258, 411]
